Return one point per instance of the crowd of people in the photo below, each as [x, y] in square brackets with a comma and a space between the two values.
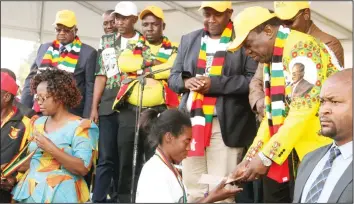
[261, 102]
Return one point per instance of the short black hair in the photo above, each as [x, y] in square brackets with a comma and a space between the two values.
[155, 126]
[275, 21]
[108, 12]
[11, 73]
[61, 85]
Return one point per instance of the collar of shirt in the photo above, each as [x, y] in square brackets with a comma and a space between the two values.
[345, 150]
[67, 46]
[295, 84]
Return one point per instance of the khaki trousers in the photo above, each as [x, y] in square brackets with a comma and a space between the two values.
[218, 160]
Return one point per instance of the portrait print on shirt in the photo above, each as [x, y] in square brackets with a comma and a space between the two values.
[302, 77]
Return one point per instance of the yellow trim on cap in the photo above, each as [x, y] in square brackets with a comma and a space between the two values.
[219, 6]
[156, 11]
[286, 10]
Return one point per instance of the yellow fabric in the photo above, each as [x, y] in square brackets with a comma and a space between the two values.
[128, 62]
[287, 10]
[301, 125]
[153, 90]
[162, 75]
[66, 18]
[247, 20]
[26, 136]
[157, 11]
[7, 118]
[152, 96]
[219, 6]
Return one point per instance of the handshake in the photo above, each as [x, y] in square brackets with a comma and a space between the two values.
[248, 171]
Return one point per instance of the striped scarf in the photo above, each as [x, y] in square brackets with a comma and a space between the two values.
[202, 107]
[165, 51]
[275, 105]
[66, 60]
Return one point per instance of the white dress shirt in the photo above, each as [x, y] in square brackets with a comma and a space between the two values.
[340, 164]
[67, 46]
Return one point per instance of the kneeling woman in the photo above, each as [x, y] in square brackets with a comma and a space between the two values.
[63, 143]
[160, 181]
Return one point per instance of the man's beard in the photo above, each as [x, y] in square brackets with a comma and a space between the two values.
[329, 133]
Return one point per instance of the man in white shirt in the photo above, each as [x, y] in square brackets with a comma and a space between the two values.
[325, 175]
[113, 157]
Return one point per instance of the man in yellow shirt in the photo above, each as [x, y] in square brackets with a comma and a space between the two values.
[153, 51]
[297, 16]
[291, 123]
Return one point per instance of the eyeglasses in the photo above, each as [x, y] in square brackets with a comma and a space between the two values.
[41, 99]
[66, 30]
[291, 21]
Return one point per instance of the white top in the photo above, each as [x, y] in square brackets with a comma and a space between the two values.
[211, 48]
[158, 184]
[340, 164]
[124, 41]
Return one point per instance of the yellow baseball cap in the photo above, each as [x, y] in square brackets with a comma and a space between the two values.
[157, 11]
[286, 10]
[219, 6]
[247, 20]
[66, 18]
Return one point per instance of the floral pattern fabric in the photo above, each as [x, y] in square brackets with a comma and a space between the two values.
[47, 181]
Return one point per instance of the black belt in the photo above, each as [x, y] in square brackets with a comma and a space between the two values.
[158, 108]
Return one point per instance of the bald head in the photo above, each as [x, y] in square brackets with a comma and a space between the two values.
[336, 107]
[342, 77]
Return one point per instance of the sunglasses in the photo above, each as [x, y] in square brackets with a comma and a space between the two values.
[65, 30]
[41, 99]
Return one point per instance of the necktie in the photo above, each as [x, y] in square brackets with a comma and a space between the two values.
[318, 184]
[62, 50]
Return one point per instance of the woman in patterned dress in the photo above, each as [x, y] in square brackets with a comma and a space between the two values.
[64, 144]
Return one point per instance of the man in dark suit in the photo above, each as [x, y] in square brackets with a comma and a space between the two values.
[300, 86]
[325, 175]
[232, 121]
[68, 53]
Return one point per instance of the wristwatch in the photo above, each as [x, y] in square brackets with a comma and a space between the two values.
[265, 160]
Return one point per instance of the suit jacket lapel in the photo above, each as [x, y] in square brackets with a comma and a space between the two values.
[304, 176]
[344, 180]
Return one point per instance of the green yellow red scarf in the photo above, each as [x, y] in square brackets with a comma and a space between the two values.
[165, 51]
[202, 108]
[275, 104]
[66, 60]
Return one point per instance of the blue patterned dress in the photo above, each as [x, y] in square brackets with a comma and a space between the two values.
[47, 181]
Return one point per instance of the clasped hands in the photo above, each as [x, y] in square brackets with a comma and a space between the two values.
[200, 84]
[248, 170]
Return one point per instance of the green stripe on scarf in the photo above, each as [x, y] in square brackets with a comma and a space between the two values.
[202, 134]
[275, 71]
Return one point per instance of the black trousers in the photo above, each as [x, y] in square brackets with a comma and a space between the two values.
[274, 192]
[5, 196]
[252, 191]
[107, 166]
[125, 144]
